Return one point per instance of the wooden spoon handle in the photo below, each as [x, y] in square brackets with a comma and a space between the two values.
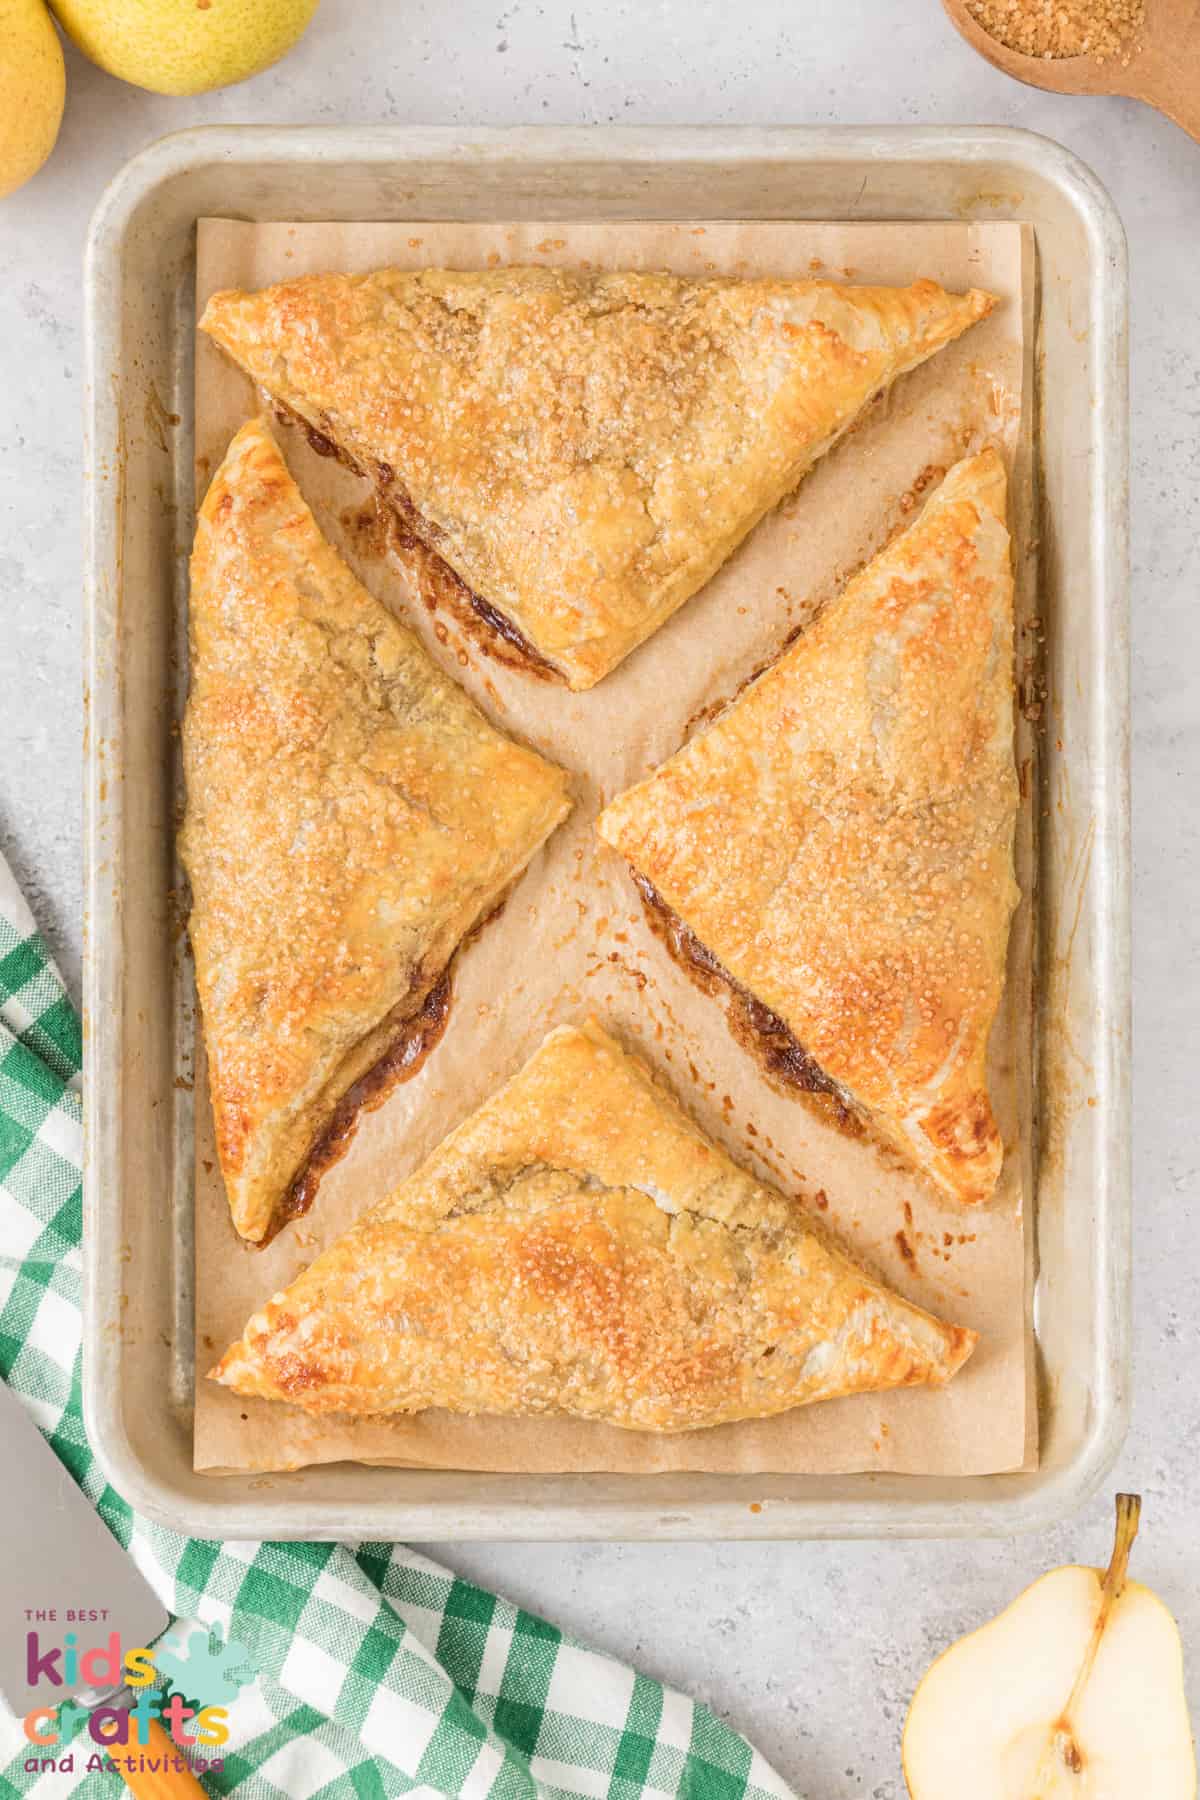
[1169, 77]
[164, 1783]
[1180, 104]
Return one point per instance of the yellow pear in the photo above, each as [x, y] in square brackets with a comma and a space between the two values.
[33, 85]
[1075, 1692]
[184, 46]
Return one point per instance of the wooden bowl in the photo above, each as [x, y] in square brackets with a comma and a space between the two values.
[1164, 69]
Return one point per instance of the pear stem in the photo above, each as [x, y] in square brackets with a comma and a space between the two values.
[1063, 1747]
[1129, 1512]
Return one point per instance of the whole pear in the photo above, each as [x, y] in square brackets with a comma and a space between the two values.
[33, 85]
[184, 46]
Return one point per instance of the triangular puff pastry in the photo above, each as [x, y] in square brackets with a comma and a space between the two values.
[583, 450]
[840, 839]
[350, 817]
[578, 1246]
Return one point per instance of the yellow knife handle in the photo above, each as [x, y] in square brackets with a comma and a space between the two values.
[165, 1783]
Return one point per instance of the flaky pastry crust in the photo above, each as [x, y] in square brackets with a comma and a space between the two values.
[579, 1246]
[583, 450]
[841, 838]
[351, 815]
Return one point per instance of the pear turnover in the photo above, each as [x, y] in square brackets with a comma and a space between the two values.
[839, 842]
[351, 816]
[578, 1246]
[583, 451]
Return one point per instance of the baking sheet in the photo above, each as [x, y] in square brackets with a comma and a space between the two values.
[573, 938]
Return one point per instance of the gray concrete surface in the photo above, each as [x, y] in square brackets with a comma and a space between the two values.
[811, 1649]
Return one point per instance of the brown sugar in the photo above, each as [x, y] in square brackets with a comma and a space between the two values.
[1103, 29]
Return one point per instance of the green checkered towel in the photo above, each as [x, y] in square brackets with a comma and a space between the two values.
[380, 1672]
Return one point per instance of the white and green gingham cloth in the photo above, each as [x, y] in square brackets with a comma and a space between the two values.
[380, 1673]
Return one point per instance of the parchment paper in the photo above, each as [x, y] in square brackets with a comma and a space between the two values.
[573, 939]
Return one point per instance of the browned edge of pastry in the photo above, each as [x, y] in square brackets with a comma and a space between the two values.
[772, 1043]
[418, 1034]
[490, 628]
[416, 1037]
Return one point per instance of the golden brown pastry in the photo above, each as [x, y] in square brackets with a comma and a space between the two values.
[583, 450]
[840, 839]
[350, 816]
[578, 1246]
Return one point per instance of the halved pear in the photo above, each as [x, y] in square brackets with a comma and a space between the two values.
[1075, 1692]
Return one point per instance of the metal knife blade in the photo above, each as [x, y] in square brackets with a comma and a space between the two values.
[58, 1558]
